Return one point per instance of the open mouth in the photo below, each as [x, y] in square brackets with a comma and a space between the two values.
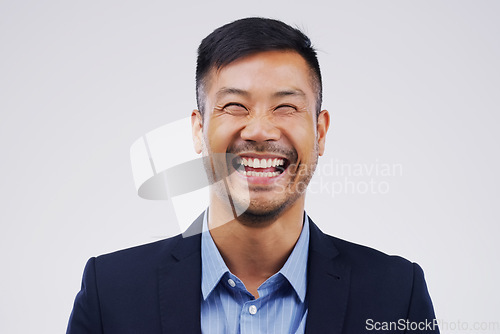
[264, 166]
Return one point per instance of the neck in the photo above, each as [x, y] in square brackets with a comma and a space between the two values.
[254, 251]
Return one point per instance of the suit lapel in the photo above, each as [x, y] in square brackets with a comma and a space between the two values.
[327, 285]
[180, 285]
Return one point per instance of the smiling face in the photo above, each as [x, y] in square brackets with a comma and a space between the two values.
[261, 111]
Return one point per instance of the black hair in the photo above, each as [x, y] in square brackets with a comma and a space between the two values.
[248, 36]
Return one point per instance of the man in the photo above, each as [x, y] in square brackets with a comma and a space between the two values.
[269, 269]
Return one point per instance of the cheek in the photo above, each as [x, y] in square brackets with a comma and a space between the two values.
[220, 133]
[301, 133]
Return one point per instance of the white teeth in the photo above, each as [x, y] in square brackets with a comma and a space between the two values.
[260, 174]
[261, 163]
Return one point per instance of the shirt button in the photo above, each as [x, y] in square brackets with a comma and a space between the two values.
[252, 309]
[231, 283]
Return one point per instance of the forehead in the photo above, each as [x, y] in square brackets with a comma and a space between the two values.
[264, 72]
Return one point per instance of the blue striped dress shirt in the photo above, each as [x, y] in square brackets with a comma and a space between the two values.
[228, 307]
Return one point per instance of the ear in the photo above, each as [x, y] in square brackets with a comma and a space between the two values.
[197, 130]
[322, 127]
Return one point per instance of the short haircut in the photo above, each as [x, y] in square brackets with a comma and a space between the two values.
[248, 36]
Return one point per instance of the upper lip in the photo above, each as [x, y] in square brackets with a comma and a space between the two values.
[260, 155]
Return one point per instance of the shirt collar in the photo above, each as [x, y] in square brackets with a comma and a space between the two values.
[295, 267]
[214, 267]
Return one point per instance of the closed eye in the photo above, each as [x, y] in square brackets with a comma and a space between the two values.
[285, 109]
[235, 109]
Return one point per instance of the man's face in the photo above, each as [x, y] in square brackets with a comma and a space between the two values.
[261, 110]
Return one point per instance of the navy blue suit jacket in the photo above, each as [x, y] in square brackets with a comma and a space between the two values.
[156, 288]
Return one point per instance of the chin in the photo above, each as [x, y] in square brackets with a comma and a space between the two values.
[263, 214]
[258, 218]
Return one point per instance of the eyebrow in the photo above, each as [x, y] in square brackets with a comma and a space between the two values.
[291, 92]
[236, 91]
[231, 91]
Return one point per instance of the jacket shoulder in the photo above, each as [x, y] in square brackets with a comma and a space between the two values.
[135, 263]
[382, 286]
[369, 258]
[372, 272]
[155, 253]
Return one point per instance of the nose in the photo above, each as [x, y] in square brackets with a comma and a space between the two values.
[260, 129]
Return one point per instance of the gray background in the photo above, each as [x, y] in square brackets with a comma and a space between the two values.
[413, 83]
